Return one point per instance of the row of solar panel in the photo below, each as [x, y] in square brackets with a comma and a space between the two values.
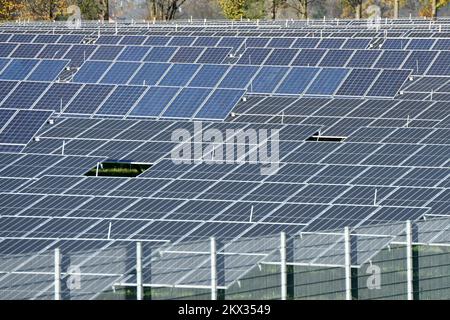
[235, 42]
[19, 126]
[430, 62]
[31, 69]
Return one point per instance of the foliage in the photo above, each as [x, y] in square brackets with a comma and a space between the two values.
[10, 9]
[426, 6]
[233, 9]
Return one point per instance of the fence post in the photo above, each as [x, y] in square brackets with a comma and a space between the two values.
[283, 266]
[409, 260]
[348, 264]
[139, 285]
[213, 269]
[57, 274]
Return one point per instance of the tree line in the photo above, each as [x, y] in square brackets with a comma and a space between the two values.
[230, 9]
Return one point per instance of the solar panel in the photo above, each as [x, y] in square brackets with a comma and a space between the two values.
[208, 76]
[254, 56]
[23, 126]
[281, 57]
[330, 43]
[238, 77]
[219, 104]
[388, 83]
[57, 96]
[214, 55]
[46, 38]
[18, 69]
[106, 53]
[280, 42]
[154, 101]
[308, 57]
[356, 44]
[121, 100]
[53, 51]
[133, 53]
[206, 41]
[419, 61]
[187, 54]
[358, 82]
[88, 99]
[6, 49]
[363, 58]
[327, 81]
[336, 58]
[186, 103]
[179, 75]
[27, 50]
[267, 79]
[306, 43]
[160, 54]
[47, 70]
[181, 41]
[420, 44]
[91, 72]
[150, 73]
[120, 73]
[78, 54]
[297, 80]
[441, 66]
[156, 41]
[391, 59]
[25, 95]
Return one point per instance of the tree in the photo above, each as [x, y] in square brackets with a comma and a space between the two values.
[300, 7]
[45, 9]
[355, 5]
[430, 8]
[233, 9]
[10, 9]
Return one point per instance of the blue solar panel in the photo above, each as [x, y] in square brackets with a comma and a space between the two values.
[280, 42]
[336, 58]
[78, 54]
[120, 73]
[23, 126]
[254, 56]
[442, 44]
[154, 101]
[186, 103]
[106, 53]
[108, 39]
[133, 53]
[6, 87]
[420, 44]
[5, 116]
[391, 59]
[91, 71]
[71, 38]
[121, 100]
[181, 41]
[395, 44]
[27, 50]
[306, 43]
[54, 51]
[358, 82]
[267, 79]
[441, 66]
[356, 44]
[238, 77]
[160, 54]
[308, 57]
[187, 55]
[388, 83]
[150, 73]
[6, 49]
[133, 40]
[57, 96]
[231, 42]
[220, 104]
[47, 70]
[47, 38]
[156, 41]
[88, 99]
[419, 61]
[327, 81]
[214, 55]
[179, 75]
[331, 43]
[281, 57]
[3, 63]
[206, 41]
[297, 80]
[22, 38]
[25, 95]
[18, 69]
[363, 58]
[208, 76]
